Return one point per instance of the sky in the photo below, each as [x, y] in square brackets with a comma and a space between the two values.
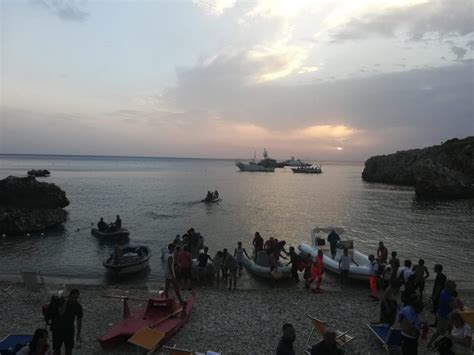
[317, 79]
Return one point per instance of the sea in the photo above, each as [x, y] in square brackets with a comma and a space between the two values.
[158, 198]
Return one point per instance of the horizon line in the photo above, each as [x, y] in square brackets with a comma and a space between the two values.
[160, 157]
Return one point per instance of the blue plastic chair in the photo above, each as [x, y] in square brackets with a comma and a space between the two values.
[388, 336]
[12, 342]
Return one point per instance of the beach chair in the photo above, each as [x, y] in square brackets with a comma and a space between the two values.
[147, 338]
[14, 342]
[342, 338]
[389, 337]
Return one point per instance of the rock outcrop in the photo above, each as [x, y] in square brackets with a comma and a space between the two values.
[27, 205]
[441, 171]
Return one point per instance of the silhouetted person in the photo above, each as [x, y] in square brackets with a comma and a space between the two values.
[333, 239]
[285, 346]
[118, 222]
[101, 226]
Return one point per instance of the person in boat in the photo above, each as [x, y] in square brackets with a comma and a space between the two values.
[62, 323]
[239, 255]
[328, 345]
[382, 254]
[438, 286]
[216, 195]
[257, 243]
[118, 253]
[118, 223]
[185, 263]
[39, 344]
[333, 239]
[209, 196]
[421, 274]
[295, 262]
[170, 275]
[317, 271]
[373, 269]
[394, 264]
[202, 258]
[285, 345]
[232, 266]
[101, 225]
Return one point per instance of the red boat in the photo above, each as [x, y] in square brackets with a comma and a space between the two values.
[161, 314]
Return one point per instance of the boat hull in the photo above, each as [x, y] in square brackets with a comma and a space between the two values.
[130, 268]
[160, 314]
[264, 271]
[121, 233]
[306, 171]
[255, 168]
[215, 200]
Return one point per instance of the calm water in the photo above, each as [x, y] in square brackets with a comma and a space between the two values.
[158, 198]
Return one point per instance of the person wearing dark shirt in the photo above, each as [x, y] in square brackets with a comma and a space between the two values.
[101, 226]
[118, 222]
[333, 239]
[382, 254]
[257, 242]
[327, 346]
[294, 261]
[394, 264]
[440, 282]
[446, 305]
[202, 264]
[285, 346]
[62, 324]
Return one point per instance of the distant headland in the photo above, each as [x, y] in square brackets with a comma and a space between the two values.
[440, 171]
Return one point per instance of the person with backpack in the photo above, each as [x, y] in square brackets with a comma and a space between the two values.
[63, 315]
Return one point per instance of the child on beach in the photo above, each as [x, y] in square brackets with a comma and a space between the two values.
[317, 270]
[373, 267]
[239, 255]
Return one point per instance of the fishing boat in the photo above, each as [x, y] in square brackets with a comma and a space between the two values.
[161, 314]
[116, 234]
[265, 165]
[308, 170]
[262, 269]
[134, 259]
[359, 271]
[295, 162]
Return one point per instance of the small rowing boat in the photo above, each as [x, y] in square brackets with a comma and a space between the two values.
[134, 259]
[161, 314]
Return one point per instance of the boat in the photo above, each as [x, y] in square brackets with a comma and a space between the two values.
[119, 233]
[214, 200]
[318, 236]
[295, 162]
[262, 269]
[307, 170]
[160, 314]
[265, 165]
[39, 172]
[134, 259]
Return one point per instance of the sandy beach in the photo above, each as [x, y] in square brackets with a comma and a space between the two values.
[244, 321]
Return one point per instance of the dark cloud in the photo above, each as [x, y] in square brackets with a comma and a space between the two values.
[459, 52]
[440, 18]
[68, 10]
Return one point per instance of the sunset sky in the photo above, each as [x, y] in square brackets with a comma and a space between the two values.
[317, 79]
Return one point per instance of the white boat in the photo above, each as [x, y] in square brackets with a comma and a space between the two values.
[133, 260]
[264, 269]
[295, 162]
[360, 271]
[266, 165]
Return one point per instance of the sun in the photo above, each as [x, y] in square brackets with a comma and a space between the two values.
[339, 148]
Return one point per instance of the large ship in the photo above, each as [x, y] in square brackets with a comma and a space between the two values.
[265, 165]
[295, 162]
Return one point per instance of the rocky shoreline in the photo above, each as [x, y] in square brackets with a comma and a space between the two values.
[245, 321]
[441, 171]
[27, 205]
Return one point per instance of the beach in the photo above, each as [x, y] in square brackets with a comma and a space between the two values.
[243, 321]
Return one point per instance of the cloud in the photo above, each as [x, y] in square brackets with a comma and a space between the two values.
[470, 44]
[305, 70]
[215, 7]
[68, 10]
[439, 18]
[459, 52]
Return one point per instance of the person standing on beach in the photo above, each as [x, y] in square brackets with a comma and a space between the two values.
[333, 239]
[294, 261]
[239, 255]
[317, 271]
[439, 284]
[170, 275]
[185, 263]
[344, 265]
[410, 326]
[285, 345]
[373, 269]
[394, 264]
[446, 305]
[421, 274]
[257, 243]
[231, 264]
[382, 254]
[62, 324]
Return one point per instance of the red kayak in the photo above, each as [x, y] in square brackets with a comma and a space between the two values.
[161, 314]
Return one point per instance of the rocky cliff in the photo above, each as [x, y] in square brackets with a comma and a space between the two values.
[27, 205]
[441, 171]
